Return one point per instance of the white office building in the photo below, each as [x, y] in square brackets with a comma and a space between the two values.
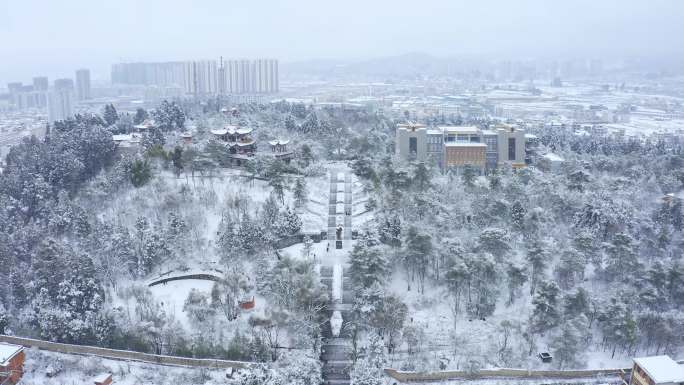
[454, 147]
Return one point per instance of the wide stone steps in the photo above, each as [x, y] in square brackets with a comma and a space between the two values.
[335, 352]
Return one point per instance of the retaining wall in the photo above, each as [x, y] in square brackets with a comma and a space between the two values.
[500, 373]
[124, 354]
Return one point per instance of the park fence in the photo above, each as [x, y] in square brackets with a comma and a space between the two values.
[125, 355]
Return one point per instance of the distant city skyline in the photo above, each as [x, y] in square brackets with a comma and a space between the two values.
[129, 31]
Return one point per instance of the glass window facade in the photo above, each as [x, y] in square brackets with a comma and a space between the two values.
[413, 146]
[511, 148]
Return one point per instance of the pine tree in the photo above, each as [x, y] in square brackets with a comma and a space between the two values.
[177, 160]
[289, 223]
[468, 175]
[518, 215]
[538, 259]
[517, 276]
[418, 250]
[495, 241]
[546, 314]
[368, 265]
[570, 343]
[621, 257]
[421, 176]
[110, 115]
[140, 116]
[570, 269]
[290, 123]
[140, 172]
[300, 192]
[306, 156]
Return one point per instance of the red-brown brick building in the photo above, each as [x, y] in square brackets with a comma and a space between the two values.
[11, 363]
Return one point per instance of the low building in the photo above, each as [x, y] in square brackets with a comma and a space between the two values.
[241, 145]
[456, 146]
[551, 162]
[279, 149]
[238, 140]
[656, 370]
[103, 379]
[186, 138]
[146, 125]
[128, 142]
[12, 359]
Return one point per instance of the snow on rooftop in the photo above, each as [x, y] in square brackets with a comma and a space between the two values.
[461, 129]
[220, 131]
[121, 137]
[7, 351]
[661, 369]
[553, 157]
[102, 378]
[465, 144]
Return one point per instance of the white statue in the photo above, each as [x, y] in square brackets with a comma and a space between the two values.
[336, 323]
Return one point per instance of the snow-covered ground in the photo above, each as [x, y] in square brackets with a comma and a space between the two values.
[454, 340]
[202, 202]
[68, 369]
[172, 295]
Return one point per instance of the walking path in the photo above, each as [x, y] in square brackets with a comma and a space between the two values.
[336, 343]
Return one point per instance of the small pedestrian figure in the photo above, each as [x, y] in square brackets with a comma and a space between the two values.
[327, 248]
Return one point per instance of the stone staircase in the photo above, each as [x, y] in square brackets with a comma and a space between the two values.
[336, 351]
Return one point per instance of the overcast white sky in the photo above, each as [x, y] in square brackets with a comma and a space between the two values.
[54, 37]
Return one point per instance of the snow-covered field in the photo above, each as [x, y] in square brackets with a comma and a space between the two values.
[48, 368]
[172, 295]
[200, 201]
[454, 341]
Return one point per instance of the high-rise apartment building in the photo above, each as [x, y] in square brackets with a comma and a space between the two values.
[204, 77]
[40, 87]
[201, 77]
[83, 84]
[40, 83]
[60, 100]
[258, 76]
[28, 96]
[265, 76]
[156, 74]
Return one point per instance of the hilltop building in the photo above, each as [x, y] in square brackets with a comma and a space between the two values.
[453, 147]
[242, 146]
